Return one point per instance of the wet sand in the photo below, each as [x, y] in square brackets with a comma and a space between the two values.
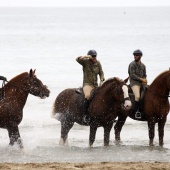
[88, 166]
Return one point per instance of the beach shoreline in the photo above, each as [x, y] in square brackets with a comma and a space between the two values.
[88, 166]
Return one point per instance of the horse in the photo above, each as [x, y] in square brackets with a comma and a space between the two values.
[155, 108]
[103, 108]
[14, 99]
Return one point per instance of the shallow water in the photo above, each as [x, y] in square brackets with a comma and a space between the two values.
[41, 145]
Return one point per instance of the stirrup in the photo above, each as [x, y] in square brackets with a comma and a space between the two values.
[86, 119]
[138, 115]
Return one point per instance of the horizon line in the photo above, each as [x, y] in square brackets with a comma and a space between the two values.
[87, 6]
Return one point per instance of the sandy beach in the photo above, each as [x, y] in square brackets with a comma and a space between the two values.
[88, 166]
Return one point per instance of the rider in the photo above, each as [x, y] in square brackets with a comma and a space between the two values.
[91, 69]
[137, 74]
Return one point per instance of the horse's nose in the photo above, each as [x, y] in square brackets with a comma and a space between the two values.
[47, 93]
[127, 104]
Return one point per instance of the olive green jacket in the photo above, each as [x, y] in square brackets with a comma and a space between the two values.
[91, 71]
[136, 71]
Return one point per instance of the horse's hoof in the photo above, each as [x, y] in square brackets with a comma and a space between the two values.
[161, 145]
[19, 142]
[106, 145]
[151, 144]
[117, 142]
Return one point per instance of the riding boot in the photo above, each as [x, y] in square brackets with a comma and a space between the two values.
[86, 119]
[138, 114]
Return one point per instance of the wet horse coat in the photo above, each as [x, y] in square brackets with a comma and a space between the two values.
[15, 96]
[155, 107]
[103, 109]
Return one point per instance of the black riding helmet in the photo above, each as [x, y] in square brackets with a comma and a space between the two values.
[93, 53]
[138, 52]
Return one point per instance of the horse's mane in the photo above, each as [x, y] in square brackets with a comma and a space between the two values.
[25, 74]
[161, 75]
[112, 79]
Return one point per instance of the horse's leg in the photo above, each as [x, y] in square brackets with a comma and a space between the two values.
[151, 129]
[14, 135]
[107, 130]
[161, 125]
[118, 127]
[93, 129]
[66, 125]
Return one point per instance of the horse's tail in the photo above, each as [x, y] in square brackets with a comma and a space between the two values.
[54, 113]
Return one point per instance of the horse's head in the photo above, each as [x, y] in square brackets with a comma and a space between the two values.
[36, 87]
[119, 91]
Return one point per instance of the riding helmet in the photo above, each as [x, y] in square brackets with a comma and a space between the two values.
[138, 52]
[93, 53]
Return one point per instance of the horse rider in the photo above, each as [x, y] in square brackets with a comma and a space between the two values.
[137, 75]
[91, 69]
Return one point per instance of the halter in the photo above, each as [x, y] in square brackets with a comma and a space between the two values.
[162, 95]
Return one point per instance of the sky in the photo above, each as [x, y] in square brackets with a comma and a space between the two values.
[82, 3]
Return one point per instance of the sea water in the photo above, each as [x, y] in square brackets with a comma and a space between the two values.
[49, 40]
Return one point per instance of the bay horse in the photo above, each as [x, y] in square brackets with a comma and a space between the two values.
[103, 108]
[155, 108]
[15, 96]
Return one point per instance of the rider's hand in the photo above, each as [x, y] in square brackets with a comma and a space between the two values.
[144, 81]
[89, 56]
[101, 81]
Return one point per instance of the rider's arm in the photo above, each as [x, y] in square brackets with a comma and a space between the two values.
[101, 73]
[81, 59]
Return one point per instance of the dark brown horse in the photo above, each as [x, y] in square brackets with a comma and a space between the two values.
[15, 96]
[107, 101]
[155, 108]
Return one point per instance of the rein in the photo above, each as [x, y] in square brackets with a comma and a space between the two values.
[162, 95]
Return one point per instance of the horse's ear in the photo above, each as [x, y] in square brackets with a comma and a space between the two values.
[126, 80]
[31, 73]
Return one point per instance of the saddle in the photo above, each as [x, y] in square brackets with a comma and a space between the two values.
[80, 92]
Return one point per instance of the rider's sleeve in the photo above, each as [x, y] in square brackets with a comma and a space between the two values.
[101, 73]
[79, 61]
[144, 72]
